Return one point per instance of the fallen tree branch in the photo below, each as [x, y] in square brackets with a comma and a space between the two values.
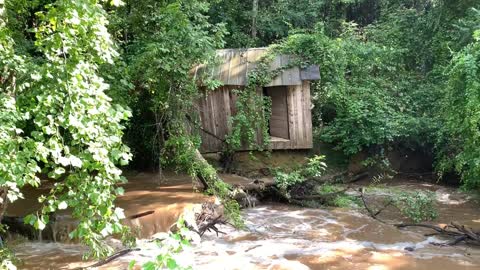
[208, 219]
[139, 215]
[428, 226]
[111, 258]
[369, 210]
[189, 119]
[467, 231]
[211, 226]
[461, 233]
[383, 208]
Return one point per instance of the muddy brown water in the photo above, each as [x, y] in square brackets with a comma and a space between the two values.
[287, 237]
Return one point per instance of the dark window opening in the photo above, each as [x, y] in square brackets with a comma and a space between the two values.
[278, 124]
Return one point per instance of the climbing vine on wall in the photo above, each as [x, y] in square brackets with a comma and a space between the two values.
[253, 109]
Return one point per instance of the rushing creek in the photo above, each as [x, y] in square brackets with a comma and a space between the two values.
[287, 237]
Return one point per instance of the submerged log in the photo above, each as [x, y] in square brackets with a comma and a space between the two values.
[139, 215]
[110, 258]
[250, 194]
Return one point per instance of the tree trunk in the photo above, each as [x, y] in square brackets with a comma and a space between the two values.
[161, 143]
[3, 201]
[254, 18]
[206, 174]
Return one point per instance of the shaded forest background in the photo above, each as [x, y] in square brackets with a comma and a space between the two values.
[394, 73]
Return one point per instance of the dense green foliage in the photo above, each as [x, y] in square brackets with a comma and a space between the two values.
[359, 99]
[314, 167]
[459, 143]
[56, 118]
[161, 42]
[340, 199]
[394, 73]
[274, 19]
[418, 206]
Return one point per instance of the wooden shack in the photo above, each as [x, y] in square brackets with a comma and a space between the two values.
[290, 125]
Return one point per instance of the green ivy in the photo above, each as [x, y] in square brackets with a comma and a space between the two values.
[315, 167]
[253, 109]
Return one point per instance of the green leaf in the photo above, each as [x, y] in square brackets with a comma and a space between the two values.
[119, 191]
[30, 219]
[131, 264]
[171, 263]
[149, 266]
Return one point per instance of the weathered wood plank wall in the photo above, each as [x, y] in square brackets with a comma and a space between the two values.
[217, 106]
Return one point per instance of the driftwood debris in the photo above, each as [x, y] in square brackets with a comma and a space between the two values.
[212, 226]
[256, 185]
[139, 215]
[456, 232]
[371, 212]
[209, 218]
[459, 233]
[249, 194]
